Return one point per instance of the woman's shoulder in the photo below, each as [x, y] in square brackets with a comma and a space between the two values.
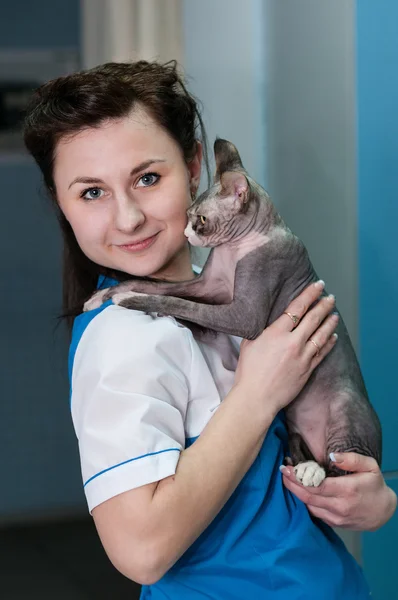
[112, 320]
[111, 329]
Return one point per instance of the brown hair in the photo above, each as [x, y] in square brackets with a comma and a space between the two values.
[69, 104]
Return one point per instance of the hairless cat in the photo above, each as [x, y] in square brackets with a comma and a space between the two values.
[255, 268]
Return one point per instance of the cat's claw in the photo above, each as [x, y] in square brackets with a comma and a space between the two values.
[309, 473]
[95, 301]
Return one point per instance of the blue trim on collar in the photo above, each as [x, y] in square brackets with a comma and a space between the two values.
[105, 282]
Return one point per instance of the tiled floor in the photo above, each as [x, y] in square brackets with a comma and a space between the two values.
[59, 561]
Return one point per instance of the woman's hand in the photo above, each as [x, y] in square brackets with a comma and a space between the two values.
[359, 501]
[276, 365]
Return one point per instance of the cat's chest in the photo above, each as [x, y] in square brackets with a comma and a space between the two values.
[228, 255]
[226, 258]
[220, 286]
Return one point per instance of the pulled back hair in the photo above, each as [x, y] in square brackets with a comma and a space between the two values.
[70, 104]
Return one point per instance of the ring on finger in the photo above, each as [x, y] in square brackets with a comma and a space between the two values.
[316, 346]
[294, 318]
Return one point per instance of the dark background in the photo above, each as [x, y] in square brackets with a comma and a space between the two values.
[49, 548]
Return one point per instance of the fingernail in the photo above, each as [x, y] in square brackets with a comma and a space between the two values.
[335, 337]
[331, 297]
[320, 284]
[335, 457]
[284, 470]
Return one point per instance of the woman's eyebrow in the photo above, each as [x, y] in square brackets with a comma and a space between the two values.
[137, 169]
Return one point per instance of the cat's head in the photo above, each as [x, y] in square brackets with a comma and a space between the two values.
[218, 214]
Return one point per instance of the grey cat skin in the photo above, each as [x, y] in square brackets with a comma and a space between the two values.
[255, 268]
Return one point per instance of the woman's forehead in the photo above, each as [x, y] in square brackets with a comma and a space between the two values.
[129, 139]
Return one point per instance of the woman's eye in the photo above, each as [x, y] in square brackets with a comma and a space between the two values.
[148, 179]
[92, 193]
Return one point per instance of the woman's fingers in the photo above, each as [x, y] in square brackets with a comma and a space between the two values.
[315, 496]
[356, 463]
[298, 307]
[319, 341]
[313, 327]
[325, 515]
[324, 351]
[314, 318]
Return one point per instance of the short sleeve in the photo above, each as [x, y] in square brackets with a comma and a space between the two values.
[129, 397]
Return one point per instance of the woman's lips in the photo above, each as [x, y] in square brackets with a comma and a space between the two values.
[142, 245]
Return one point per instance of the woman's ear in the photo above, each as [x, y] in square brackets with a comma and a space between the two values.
[194, 167]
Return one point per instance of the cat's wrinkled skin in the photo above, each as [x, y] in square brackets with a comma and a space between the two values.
[255, 269]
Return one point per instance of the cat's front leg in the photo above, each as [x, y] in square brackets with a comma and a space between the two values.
[96, 300]
[237, 318]
[200, 287]
[194, 289]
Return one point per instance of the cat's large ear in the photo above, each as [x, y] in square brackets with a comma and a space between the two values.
[227, 157]
[235, 184]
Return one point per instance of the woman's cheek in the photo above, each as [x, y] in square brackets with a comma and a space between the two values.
[90, 234]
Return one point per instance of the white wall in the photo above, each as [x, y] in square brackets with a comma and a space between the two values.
[311, 135]
[224, 56]
[311, 141]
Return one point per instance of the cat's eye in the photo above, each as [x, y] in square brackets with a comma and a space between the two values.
[202, 219]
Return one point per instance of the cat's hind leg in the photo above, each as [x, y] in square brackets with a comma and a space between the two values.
[353, 426]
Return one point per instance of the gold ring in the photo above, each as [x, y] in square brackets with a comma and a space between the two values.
[294, 318]
[316, 346]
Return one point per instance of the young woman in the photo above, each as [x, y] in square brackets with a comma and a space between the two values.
[180, 454]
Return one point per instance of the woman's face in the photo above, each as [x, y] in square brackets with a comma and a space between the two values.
[124, 187]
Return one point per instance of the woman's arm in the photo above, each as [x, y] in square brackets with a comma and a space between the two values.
[145, 530]
[360, 501]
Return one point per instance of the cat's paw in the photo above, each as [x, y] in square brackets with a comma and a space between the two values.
[95, 301]
[309, 473]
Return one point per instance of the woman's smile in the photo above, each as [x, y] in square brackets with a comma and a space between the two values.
[140, 244]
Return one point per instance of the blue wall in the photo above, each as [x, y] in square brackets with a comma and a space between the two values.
[39, 24]
[377, 97]
[377, 44]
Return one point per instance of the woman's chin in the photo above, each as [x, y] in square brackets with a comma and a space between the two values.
[138, 268]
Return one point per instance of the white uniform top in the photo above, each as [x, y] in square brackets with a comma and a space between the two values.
[140, 386]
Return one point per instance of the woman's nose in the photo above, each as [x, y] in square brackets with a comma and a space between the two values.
[128, 215]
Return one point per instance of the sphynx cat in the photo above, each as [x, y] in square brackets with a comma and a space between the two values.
[255, 268]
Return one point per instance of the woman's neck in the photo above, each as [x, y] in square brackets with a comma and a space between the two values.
[178, 269]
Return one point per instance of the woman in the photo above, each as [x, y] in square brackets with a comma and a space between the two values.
[180, 455]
